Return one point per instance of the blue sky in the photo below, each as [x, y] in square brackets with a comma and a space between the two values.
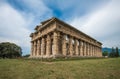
[98, 18]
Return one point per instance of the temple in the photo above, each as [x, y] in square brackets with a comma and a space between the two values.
[55, 38]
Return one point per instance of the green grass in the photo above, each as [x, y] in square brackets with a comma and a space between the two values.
[108, 68]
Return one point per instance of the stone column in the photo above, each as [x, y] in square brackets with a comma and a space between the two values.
[76, 47]
[32, 48]
[35, 48]
[97, 53]
[56, 43]
[64, 50]
[48, 48]
[81, 47]
[43, 47]
[88, 53]
[84, 48]
[38, 47]
[71, 46]
[101, 51]
[92, 50]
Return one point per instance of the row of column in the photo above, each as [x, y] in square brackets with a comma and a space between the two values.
[57, 45]
[80, 48]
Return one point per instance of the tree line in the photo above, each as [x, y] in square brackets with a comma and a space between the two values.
[114, 52]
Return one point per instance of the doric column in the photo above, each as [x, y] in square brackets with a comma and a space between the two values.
[71, 46]
[48, 48]
[84, 48]
[64, 50]
[43, 46]
[35, 48]
[101, 51]
[81, 47]
[97, 53]
[38, 47]
[32, 48]
[92, 50]
[56, 37]
[76, 47]
[88, 53]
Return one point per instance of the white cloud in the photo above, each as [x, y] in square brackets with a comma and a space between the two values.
[15, 25]
[103, 24]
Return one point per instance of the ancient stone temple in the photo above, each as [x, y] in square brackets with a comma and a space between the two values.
[55, 38]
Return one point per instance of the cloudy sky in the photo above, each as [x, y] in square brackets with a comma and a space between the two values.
[98, 18]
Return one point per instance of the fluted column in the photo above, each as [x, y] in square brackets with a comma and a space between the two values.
[76, 47]
[71, 46]
[84, 48]
[64, 50]
[92, 50]
[38, 47]
[35, 48]
[88, 53]
[48, 48]
[81, 47]
[32, 48]
[55, 44]
[43, 46]
[96, 51]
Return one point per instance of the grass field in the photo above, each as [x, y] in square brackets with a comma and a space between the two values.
[108, 68]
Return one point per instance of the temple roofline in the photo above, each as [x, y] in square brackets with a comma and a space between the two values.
[46, 22]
